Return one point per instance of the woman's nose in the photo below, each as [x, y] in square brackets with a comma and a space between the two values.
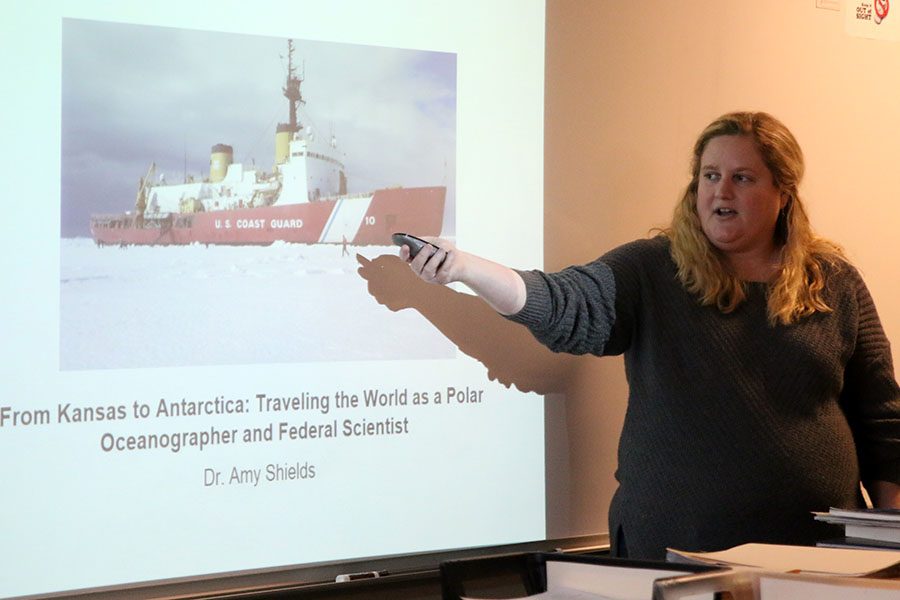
[723, 188]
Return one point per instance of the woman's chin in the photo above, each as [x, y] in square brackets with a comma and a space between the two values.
[725, 242]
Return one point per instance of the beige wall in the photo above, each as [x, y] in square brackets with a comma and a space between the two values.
[629, 86]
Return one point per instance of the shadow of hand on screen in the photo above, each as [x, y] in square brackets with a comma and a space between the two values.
[508, 350]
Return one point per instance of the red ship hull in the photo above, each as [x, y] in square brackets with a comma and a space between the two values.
[358, 220]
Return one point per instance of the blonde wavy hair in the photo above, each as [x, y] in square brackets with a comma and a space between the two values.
[797, 290]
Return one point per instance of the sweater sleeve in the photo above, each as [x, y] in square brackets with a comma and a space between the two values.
[570, 311]
[592, 308]
[871, 397]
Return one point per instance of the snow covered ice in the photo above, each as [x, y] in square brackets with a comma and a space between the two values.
[167, 306]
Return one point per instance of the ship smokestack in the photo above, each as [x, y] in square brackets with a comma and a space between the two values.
[283, 135]
[221, 156]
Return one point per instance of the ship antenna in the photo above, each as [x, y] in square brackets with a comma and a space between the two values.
[292, 89]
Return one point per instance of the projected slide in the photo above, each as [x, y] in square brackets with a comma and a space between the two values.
[201, 375]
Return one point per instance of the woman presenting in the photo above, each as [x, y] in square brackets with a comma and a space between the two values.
[761, 384]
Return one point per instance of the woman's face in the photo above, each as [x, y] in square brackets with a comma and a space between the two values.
[737, 200]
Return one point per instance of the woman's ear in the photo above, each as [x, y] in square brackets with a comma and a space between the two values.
[785, 200]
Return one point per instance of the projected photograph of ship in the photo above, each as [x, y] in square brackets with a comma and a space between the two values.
[303, 199]
[220, 192]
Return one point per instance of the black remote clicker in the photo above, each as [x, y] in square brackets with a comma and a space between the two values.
[415, 244]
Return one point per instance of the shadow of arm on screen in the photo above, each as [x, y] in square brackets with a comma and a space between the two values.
[508, 350]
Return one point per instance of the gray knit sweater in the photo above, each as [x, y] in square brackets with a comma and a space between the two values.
[735, 429]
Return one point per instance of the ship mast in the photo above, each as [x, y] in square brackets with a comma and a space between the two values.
[291, 89]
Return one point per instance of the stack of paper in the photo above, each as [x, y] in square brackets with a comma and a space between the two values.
[848, 562]
[870, 527]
